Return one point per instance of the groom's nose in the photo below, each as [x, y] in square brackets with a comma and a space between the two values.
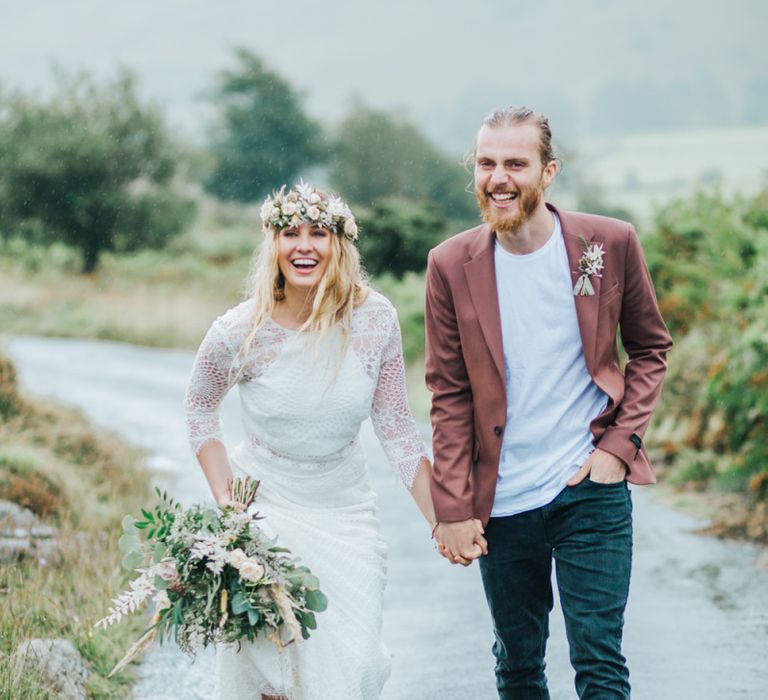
[498, 176]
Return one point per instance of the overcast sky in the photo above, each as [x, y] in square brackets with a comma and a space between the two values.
[444, 63]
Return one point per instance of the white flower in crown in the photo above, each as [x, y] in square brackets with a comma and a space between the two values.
[350, 228]
[336, 208]
[590, 265]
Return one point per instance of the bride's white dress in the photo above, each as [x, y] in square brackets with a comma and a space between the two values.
[302, 405]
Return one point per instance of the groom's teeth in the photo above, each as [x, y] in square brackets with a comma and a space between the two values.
[503, 196]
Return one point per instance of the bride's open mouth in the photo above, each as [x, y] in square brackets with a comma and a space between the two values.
[305, 265]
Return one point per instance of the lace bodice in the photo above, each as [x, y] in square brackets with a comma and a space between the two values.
[301, 399]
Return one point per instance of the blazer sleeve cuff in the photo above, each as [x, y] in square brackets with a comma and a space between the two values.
[621, 443]
[454, 513]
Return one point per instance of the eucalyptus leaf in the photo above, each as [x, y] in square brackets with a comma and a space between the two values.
[159, 551]
[160, 583]
[239, 603]
[311, 582]
[129, 543]
[133, 560]
[129, 523]
[253, 616]
[316, 601]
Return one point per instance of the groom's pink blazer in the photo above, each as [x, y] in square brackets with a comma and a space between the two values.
[465, 359]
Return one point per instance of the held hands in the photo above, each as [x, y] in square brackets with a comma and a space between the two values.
[461, 542]
[602, 468]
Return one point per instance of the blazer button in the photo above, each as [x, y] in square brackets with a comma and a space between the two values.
[497, 430]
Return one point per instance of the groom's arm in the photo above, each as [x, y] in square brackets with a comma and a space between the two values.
[647, 341]
[452, 406]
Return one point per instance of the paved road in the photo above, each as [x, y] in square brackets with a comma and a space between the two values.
[697, 622]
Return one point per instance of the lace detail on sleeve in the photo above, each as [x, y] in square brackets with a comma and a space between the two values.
[393, 421]
[213, 374]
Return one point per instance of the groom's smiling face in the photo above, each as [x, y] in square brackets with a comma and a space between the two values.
[510, 178]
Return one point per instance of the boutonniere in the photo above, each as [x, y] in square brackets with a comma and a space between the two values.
[590, 265]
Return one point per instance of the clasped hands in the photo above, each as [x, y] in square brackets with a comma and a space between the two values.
[461, 542]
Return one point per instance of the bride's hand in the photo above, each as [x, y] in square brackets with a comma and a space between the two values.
[229, 503]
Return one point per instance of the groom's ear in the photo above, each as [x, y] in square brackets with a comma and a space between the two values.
[550, 172]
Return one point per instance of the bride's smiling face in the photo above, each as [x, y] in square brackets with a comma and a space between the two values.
[303, 253]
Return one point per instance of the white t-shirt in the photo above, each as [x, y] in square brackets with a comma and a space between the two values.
[551, 398]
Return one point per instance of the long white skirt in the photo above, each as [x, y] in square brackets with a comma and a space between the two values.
[325, 513]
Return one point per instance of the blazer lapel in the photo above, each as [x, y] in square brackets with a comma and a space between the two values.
[586, 306]
[480, 272]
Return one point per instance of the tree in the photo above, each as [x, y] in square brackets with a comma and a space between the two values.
[396, 236]
[377, 155]
[264, 138]
[90, 167]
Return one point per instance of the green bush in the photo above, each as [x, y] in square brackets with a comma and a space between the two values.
[397, 235]
[709, 260]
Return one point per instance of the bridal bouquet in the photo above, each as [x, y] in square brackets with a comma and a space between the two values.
[213, 577]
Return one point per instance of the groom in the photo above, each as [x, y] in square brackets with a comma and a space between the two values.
[536, 429]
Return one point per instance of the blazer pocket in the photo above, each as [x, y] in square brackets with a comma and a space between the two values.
[609, 294]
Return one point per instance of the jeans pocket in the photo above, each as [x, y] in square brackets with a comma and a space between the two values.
[612, 484]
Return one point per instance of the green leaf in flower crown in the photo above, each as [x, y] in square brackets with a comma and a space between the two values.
[132, 560]
[129, 524]
[280, 550]
[316, 601]
[129, 543]
[253, 616]
[160, 583]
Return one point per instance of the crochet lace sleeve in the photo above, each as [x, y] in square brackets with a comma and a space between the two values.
[213, 374]
[392, 419]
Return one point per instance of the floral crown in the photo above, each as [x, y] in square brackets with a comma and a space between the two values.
[306, 205]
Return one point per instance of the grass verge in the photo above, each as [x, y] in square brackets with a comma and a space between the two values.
[81, 481]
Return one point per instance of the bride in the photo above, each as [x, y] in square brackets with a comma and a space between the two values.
[314, 352]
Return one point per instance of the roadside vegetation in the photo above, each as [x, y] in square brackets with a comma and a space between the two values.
[709, 259]
[81, 482]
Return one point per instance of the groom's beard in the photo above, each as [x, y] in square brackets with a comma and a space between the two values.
[511, 218]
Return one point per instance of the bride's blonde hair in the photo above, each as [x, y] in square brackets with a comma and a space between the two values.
[342, 288]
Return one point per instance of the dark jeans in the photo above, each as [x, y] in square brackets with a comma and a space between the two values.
[588, 531]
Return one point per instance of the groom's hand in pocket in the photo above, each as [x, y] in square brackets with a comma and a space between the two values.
[461, 542]
[602, 468]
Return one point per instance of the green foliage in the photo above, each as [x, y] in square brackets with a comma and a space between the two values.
[709, 260]
[264, 138]
[407, 294]
[377, 156]
[89, 167]
[397, 235]
[700, 256]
